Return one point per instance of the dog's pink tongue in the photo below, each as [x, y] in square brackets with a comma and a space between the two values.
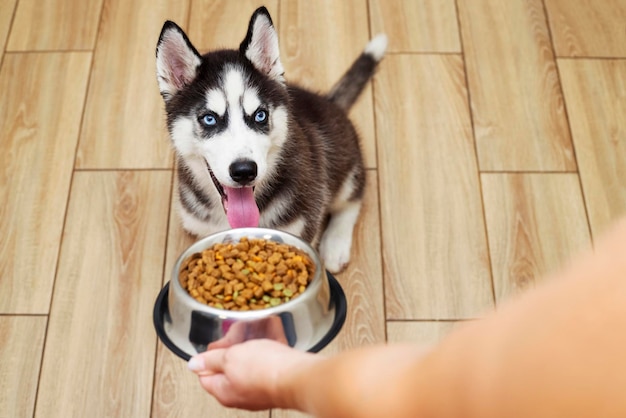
[242, 210]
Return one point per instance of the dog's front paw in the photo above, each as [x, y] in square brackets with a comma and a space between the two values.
[335, 252]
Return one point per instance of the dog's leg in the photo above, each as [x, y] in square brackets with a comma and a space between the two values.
[336, 242]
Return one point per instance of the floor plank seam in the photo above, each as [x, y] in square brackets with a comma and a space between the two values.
[476, 158]
[567, 119]
[67, 203]
[9, 29]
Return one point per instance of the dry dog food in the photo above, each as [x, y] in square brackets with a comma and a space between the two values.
[250, 274]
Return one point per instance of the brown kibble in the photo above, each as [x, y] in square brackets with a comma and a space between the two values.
[281, 268]
[270, 269]
[247, 293]
[256, 278]
[228, 289]
[209, 283]
[275, 258]
[250, 274]
[217, 289]
[267, 286]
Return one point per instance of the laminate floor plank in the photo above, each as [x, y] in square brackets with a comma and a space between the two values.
[7, 9]
[595, 91]
[517, 105]
[222, 24]
[319, 40]
[55, 25]
[100, 348]
[40, 116]
[436, 263]
[417, 26]
[584, 28]
[536, 223]
[124, 122]
[420, 333]
[20, 358]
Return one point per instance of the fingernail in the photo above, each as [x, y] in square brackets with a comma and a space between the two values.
[196, 364]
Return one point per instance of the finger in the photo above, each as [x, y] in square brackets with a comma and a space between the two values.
[207, 363]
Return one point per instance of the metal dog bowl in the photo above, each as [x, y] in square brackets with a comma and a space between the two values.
[308, 322]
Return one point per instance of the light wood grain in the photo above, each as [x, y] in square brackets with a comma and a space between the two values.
[581, 28]
[518, 110]
[417, 26]
[222, 24]
[282, 413]
[319, 40]
[596, 102]
[124, 122]
[55, 25]
[100, 348]
[423, 333]
[20, 357]
[434, 244]
[40, 117]
[7, 8]
[535, 223]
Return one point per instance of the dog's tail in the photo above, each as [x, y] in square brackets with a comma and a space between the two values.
[352, 83]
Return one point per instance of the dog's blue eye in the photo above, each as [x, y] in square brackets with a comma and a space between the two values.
[260, 116]
[209, 120]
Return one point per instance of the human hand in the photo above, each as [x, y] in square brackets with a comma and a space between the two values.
[253, 375]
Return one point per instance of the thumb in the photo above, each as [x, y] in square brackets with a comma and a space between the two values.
[208, 363]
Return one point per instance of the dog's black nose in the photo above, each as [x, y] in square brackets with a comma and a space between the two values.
[243, 171]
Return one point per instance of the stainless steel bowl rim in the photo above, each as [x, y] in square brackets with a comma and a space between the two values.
[254, 233]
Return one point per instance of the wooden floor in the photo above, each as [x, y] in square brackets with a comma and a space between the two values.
[494, 134]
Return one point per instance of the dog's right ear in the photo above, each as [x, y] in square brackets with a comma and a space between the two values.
[177, 60]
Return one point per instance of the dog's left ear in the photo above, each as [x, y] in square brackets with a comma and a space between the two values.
[261, 45]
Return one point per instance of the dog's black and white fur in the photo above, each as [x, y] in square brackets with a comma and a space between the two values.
[254, 150]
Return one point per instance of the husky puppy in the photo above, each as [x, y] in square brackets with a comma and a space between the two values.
[253, 150]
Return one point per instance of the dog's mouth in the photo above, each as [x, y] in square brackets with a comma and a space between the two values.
[238, 202]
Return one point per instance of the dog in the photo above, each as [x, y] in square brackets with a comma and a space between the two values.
[253, 150]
